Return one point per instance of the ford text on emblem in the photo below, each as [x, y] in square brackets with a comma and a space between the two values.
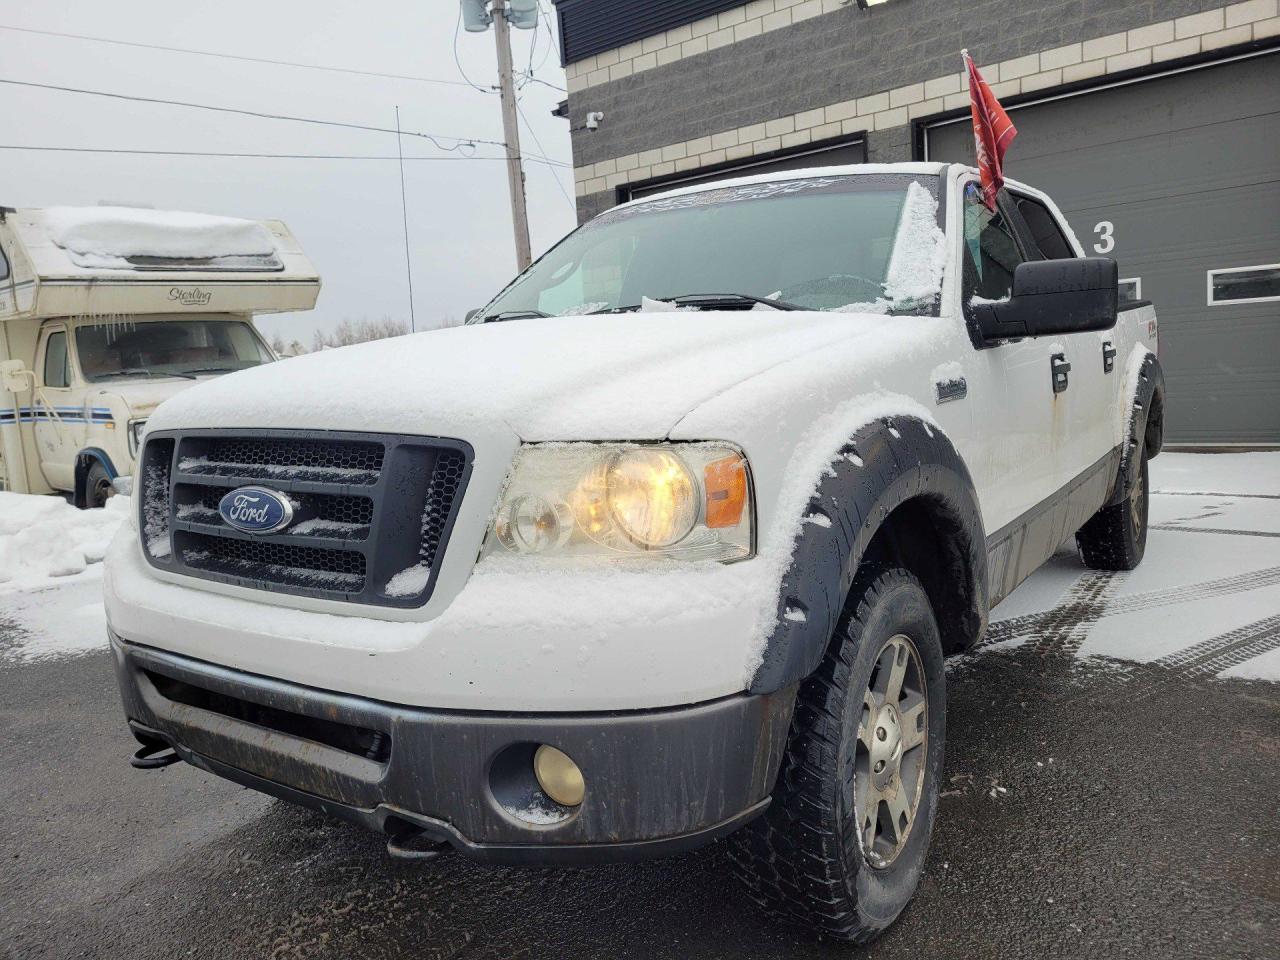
[256, 510]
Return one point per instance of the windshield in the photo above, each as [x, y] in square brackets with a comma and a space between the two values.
[822, 243]
[122, 349]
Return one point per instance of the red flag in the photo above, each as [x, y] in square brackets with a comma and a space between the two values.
[993, 131]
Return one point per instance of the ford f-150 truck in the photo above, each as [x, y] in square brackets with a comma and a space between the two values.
[667, 544]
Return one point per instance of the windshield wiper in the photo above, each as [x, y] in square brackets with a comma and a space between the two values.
[514, 315]
[192, 373]
[142, 372]
[714, 301]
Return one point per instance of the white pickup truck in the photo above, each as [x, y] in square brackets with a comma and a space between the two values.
[669, 543]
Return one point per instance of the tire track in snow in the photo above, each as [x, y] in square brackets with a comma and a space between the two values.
[1210, 657]
[1230, 533]
[1066, 627]
[1028, 624]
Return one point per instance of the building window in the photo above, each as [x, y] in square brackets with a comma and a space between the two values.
[1244, 284]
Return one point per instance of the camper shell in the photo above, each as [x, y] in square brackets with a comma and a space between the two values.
[107, 312]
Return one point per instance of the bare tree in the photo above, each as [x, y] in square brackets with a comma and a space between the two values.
[359, 331]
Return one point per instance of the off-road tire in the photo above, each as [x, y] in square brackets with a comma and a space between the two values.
[97, 487]
[804, 859]
[1115, 538]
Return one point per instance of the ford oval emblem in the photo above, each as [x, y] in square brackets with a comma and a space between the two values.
[256, 510]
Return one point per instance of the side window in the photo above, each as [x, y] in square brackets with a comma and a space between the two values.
[57, 367]
[990, 251]
[1049, 239]
[4, 266]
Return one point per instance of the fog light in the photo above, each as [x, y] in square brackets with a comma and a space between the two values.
[558, 776]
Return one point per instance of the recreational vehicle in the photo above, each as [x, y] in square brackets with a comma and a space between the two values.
[105, 312]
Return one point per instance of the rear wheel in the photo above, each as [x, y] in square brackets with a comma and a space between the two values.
[1115, 538]
[843, 844]
[97, 487]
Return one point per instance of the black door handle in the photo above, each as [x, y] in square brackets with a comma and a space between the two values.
[1108, 356]
[1059, 368]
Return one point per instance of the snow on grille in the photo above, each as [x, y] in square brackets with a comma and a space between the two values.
[155, 497]
[320, 514]
[445, 480]
[269, 458]
[308, 567]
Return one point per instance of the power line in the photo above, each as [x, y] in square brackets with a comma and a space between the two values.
[233, 56]
[404, 213]
[554, 176]
[434, 138]
[458, 60]
[250, 156]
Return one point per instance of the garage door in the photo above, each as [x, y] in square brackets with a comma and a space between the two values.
[1178, 178]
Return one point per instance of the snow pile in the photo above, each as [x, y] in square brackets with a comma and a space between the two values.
[104, 236]
[55, 622]
[919, 250]
[45, 538]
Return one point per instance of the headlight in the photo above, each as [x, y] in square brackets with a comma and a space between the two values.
[136, 428]
[687, 501]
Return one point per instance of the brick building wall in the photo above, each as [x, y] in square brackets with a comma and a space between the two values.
[775, 74]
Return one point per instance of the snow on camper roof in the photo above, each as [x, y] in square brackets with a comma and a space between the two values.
[126, 238]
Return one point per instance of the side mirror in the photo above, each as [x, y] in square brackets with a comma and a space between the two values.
[14, 376]
[470, 313]
[1052, 296]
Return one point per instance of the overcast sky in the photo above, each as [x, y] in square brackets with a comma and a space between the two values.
[346, 213]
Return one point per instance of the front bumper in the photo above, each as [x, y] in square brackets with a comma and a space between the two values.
[658, 781]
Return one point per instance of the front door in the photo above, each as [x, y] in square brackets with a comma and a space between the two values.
[59, 421]
[1028, 424]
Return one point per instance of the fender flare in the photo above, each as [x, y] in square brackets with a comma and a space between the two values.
[885, 464]
[1145, 429]
[84, 460]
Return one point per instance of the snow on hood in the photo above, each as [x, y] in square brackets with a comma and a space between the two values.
[94, 234]
[613, 377]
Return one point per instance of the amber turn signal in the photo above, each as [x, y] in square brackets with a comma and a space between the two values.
[725, 481]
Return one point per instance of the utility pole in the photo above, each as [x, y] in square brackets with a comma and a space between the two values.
[511, 134]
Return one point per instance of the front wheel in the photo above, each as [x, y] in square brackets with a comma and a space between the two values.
[842, 846]
[98, 488]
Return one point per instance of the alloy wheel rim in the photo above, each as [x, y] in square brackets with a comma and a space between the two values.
[891, 752]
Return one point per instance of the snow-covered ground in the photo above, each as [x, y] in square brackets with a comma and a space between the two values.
[1205, 601]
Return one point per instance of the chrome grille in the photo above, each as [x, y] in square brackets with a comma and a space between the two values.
[366, 508]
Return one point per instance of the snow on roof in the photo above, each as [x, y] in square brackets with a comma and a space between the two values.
[103, 236]
[921, 168]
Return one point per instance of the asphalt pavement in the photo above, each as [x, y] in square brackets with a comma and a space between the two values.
[1091, 808]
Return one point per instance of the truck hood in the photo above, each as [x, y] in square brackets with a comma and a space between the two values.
[610, 377]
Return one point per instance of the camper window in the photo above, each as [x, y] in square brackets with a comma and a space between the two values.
[57, 368]
[167, 348]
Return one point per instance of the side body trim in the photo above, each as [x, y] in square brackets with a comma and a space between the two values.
[1017, 549]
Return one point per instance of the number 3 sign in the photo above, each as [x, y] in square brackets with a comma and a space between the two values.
[1105, 230]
